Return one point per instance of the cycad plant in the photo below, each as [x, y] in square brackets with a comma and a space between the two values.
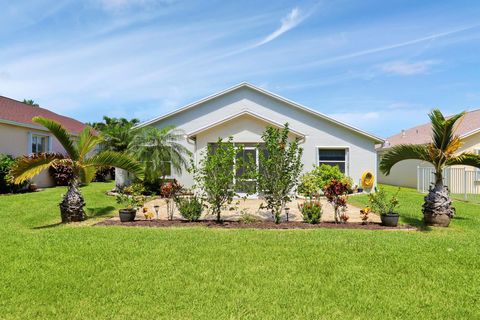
[441, 152]
[157, 149]
[79, 157]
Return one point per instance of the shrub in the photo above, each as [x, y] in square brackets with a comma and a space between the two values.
[312, 182]
[336, 193]
[311, 211]
[190, 208]
[62, 175]
[380, 203]
[102, 174]
[136, 188]
[6, 185]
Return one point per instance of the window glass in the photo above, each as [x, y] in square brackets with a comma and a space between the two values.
[333, 157]
[39, 144]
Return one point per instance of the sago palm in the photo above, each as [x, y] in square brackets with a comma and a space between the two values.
[441, 152]
[79, 157]
[158, 148]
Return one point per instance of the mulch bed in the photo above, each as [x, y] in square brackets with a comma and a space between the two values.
[252, 225]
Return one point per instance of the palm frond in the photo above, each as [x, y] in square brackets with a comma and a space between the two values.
[28, 167]
[87, 174]
[403, 152]
[117, 160]
[60, 133]
[87, 141]
[466, 159]
[443, 129]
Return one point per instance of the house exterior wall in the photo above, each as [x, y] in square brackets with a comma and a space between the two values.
[404, 173]
[319, 132]
[14, 141]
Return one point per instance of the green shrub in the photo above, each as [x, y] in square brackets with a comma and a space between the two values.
[380, 203]
[311, 211]
[190, 208]
[6, 162]
[312, 182]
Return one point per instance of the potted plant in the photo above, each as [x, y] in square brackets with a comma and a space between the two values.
[131, 204]
[384, 206]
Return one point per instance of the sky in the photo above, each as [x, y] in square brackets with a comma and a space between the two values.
[377, 65]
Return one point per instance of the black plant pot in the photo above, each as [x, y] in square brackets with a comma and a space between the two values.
[390, 220]
[127, 215]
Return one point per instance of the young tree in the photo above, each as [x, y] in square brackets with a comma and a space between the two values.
[78, 158]
[215, 174]
[441, 152]
[279, 168]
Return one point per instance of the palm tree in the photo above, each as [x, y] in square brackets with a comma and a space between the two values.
[79, 159]
[117, 132]
[157, 149]
[441, 152]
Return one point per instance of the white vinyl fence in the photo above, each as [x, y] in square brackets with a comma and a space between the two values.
[463, 183]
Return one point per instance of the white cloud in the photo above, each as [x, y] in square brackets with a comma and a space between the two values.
[293, 19]
[405, 68]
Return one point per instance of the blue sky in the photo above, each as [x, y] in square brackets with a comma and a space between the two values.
[379, 65]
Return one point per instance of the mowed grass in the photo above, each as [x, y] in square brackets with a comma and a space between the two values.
[50, 271]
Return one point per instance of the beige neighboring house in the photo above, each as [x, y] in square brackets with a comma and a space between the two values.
[406, 173]
[19, 135]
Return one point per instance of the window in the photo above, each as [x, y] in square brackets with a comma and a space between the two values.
[39, 143]
[333, 157]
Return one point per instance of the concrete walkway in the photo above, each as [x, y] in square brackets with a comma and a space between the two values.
[251, 207]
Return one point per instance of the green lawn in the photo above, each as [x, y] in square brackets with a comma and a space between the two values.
[84, 272]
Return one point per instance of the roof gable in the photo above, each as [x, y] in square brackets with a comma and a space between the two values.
[268, 94]
[18, 113]
[240, 114]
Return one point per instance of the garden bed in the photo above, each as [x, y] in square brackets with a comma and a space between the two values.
[250, 225]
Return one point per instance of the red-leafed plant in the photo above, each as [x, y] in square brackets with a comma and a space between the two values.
[169, 191]
[336, 193]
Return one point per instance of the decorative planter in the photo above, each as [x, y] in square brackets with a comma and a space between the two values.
[437, 220]
[127, 215]
[390, 220]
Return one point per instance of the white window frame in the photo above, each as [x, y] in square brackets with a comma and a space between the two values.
[31, 134]
[347, 156]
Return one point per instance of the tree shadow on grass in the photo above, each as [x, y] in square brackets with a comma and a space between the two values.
[48, 226]
[99, 211]
[416, 222]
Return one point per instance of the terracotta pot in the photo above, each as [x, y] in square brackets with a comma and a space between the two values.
[437, 220]
[127, 215]
[389, 220]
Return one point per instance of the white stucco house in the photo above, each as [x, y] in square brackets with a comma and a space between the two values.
[244, 111]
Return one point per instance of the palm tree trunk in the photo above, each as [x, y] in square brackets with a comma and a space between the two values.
[71, 207]
[437, 208]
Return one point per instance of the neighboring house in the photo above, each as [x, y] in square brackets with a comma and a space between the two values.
[244, 111]
[405, 173]
[19, 135]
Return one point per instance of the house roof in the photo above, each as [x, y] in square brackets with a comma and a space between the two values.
[18, 113]
[267, 93]
[422, 134]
